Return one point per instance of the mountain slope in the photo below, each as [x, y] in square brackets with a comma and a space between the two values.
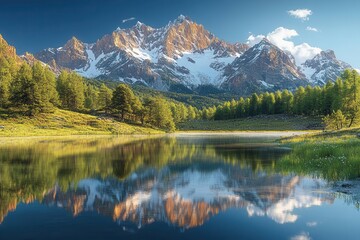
[324, 67]
[264, 67]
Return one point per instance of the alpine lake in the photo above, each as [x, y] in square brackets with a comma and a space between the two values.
[181, 186]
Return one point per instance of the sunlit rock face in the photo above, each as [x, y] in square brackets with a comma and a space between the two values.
[324, 67]
[6, 49]
[189, 198]
[181, 52]
[264, 67]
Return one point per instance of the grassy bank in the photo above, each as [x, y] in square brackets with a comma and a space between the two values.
[258, 123]
[330, 155]
[63, 122]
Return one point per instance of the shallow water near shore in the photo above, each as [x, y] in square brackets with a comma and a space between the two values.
[182, 186]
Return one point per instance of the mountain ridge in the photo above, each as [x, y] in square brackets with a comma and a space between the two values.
[186, 53]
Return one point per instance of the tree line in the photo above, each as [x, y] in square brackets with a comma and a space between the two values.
[35, 89]
[338, 102]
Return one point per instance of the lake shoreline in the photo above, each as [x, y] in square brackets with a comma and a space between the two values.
[274, 133]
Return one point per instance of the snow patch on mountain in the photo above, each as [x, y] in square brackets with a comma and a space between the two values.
[91, 70]
[143, 54]
[309, 72]
[324, 67]
[204, 67]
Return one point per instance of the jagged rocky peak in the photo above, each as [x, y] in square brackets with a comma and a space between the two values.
[264, 67]
[2, 40]
[29, 58]
[328, 54]
[108, 43]
[74, 44]
[180, 20]
[142, 27]
[266, 45]
[122, 39]
[266, 53]
[184, 35]
[72, 55]
[7, 50]
[324, 67]
[223, 49]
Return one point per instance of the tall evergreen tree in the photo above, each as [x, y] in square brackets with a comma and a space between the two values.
[255, 103]
[91, 97]
[191, 113]
[34, 89]
[351, 96]
[5, 82]
[161, 115]
[71, 90]
[122, 100]
[104, 98]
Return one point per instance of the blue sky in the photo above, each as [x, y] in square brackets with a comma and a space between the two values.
[31, 25]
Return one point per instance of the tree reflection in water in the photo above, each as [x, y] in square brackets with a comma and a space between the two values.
[180, 181]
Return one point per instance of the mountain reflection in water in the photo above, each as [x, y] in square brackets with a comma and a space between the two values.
[176, 180]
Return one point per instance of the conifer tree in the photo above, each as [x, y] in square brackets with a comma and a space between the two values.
[161, 115]
[351, 96]
[71, 89]
[191, 113]
[23, 88]
[122, 100]
[5, 82]
[104, 98]
[91, 97]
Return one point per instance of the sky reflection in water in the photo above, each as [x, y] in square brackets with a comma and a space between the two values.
[163, 188]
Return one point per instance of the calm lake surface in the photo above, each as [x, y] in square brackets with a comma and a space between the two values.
[172, 187]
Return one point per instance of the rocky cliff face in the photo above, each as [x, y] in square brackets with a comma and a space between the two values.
[7, 51]
[324, 67]
[72, 55]
[264, 67]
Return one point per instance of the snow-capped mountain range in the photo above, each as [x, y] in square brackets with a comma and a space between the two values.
[185, 52]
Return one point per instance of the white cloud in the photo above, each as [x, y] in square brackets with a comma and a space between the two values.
[358, 70]
[312, 29]
[128, 19]
[302, 14]
[253, 40]
[281, 37]
[301, 236]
